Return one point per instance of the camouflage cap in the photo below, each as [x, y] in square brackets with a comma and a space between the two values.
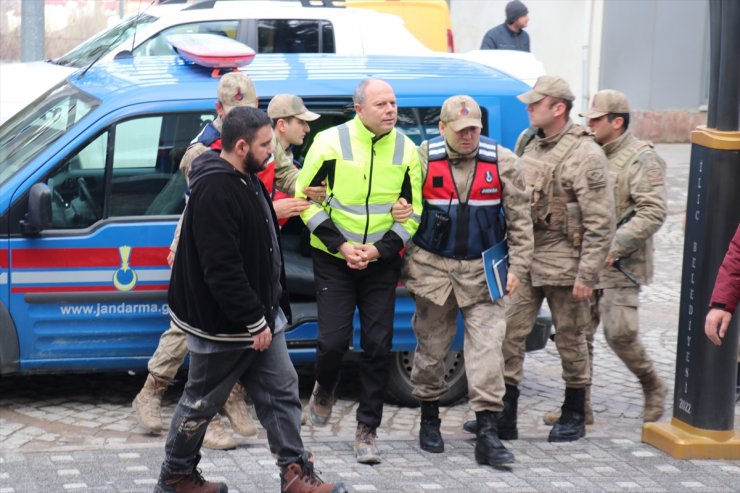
[606, 102]
[460, 112]
[287, 105]
[547, 85]
[236, 89]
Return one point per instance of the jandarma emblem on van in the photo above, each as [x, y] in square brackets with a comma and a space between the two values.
[124, 278]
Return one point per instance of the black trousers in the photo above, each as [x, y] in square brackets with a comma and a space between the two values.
[339, 290]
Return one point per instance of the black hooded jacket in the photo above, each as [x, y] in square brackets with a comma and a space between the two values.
[221, 286]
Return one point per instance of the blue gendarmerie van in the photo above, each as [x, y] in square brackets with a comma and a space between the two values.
[90, 194]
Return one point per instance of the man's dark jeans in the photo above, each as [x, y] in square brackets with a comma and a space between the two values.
[270, 380]
[373, 291]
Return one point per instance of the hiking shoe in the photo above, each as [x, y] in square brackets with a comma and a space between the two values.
[148, 403]
[297, 479]
[320, 405]
[187, 483]
[217, 437]
[237, 412]
[365, 449]
[655, 392]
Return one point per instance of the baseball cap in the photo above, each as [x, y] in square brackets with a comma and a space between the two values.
[605, 102]
[547, 85]
[287, 105]
[236, 89]
[460, 112]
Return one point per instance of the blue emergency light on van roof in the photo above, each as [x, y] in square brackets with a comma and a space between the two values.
[211, 50]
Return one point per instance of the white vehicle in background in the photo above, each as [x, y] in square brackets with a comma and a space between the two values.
[266, 26]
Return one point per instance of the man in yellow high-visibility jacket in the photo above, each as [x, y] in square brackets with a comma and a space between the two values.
[367, 165]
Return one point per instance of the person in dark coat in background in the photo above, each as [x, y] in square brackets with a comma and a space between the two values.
[510, 35]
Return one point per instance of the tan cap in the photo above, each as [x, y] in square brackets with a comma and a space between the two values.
[547, 85]
[605, 102]
[236, 89]
[460, 112]
[287, 105]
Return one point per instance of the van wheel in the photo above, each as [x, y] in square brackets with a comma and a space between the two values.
[399, 384]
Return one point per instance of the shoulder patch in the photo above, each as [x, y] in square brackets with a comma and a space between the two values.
[596, 178]
[655, 176]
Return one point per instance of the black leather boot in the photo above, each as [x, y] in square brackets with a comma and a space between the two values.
[572, 424]
[430, 438]
[507, 419]
[488, 447]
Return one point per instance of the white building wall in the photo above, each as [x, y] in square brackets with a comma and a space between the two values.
[565, 36]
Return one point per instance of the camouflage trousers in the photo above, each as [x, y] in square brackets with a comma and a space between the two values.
[170, 353]
[572, 319]
[617, 310]
[435, 328]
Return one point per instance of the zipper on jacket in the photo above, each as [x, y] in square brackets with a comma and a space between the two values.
[369, 189]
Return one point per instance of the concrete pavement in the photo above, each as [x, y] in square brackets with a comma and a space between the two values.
[78, 433]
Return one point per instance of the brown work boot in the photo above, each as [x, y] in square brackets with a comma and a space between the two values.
[187, 483]
[297, 479]
[236, 410]
[320, 405]
[655, 392]
[217, 437]
[365, 449]
[148, 403]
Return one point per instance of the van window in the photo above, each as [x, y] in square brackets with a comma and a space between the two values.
[30, 132]
[158, 45]
[130, 169]
[295, 36]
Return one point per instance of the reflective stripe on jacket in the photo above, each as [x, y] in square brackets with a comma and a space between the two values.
[475, 224]
[364, 175]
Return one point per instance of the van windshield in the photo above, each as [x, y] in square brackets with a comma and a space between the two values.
[98, 46]
[32, 130]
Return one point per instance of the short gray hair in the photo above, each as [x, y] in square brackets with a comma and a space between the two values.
[359, 95]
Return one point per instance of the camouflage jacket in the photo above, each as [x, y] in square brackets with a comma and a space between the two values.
[433, 277]
[572, 206]
[638, 176]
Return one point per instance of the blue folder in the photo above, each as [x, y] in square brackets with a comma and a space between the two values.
[496, 266]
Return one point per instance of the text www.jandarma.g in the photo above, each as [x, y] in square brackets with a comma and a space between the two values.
[114, 309]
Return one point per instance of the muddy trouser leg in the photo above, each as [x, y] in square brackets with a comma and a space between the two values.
[521, 313]
[485, 327]
[273, 384]
[210, 380]
[572, 319]
[170, 353]
[435, 327]
[618, 309]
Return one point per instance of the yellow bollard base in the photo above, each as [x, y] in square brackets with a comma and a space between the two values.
[683, 441]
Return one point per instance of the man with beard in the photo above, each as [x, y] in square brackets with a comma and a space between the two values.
[227, 293]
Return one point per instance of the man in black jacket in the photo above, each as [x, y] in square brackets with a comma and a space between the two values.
[227, 293]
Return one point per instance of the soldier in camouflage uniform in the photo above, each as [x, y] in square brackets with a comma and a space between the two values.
[470, 180]
[638, 176]
[572, 207]
[235, 89]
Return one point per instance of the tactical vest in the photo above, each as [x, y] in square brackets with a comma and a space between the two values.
[474, 225]
[619, 166]
[553, 208]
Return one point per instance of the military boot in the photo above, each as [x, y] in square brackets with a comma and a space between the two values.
[553, 416]
[507, 420]
[319, 406]
[148, 403]
[488, 447]
[301, 478]
[571, 426]
[187, 483]
[237, 412]
[655, 392]
[217, 437]
[430, 438]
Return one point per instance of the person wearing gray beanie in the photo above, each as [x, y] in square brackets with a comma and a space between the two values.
[509, 35]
